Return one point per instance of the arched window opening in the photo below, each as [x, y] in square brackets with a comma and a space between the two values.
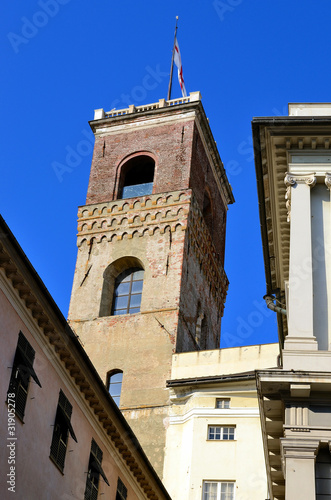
[114, 385]
[204, 333]
[198, 328]
[117, 296]
[201, 329]
[323, 474]
[128, 291]
[207, 212]
[137, 177]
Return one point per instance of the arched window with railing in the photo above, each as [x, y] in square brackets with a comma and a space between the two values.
[136, 177]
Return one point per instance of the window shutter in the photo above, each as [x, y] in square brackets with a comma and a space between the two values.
[65, 404]
[61, 427]
[21, 372]
[20, 399]
[122, 491]
[94, 472]
[97, 452]
[26, 348]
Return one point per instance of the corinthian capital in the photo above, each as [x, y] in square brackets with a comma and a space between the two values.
[293, 179]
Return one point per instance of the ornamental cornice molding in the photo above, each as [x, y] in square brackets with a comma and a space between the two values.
[293, 179]
[328, 180]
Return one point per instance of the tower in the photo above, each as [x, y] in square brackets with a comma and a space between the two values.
[149, 278]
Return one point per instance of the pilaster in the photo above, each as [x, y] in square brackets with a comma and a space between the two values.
[300, 306]
[298, 460]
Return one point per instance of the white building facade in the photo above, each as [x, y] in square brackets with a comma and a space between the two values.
[214, 445]
[293, 159]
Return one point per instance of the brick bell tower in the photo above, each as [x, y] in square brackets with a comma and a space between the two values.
[149, 278]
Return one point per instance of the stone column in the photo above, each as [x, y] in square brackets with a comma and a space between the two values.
[300, 306]
[298, 458]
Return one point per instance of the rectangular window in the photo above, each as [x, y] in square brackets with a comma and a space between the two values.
[223, 403]
[218, 490]
[22, 370]
[122, 491]
[94, 472]
[62, 426]
[221, 432]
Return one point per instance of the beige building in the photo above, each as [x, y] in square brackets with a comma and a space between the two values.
[62, 436]
[293, 159]
[214, 444]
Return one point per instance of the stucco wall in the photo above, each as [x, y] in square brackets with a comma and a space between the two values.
[224, 361]
[36, 475]
[191, 458]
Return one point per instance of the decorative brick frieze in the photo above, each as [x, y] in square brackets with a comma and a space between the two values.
[135, 218]
[148, 215]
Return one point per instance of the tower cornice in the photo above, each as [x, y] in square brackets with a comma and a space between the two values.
[184, 109]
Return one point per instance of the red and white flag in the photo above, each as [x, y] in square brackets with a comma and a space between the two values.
[178, 62]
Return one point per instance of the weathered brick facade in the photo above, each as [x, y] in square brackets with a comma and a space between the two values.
[176, 240]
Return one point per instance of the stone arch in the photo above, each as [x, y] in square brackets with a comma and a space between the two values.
[114, 384]
[136, 175]
[109, 276]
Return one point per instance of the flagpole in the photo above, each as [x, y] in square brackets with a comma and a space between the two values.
[172, 63]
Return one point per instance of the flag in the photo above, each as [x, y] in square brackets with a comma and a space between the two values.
[178, 62]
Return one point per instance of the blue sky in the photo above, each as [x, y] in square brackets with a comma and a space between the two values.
[61, 59]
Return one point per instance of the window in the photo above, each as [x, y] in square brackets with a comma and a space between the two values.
[322, 474]
[122, 491]
[62, 426]
[201, 329]
[94, 472]
[128, 291]
[20, 376]
[137, 177]
[222, 403]
[115, 378]
[221, 432]
[218, 490]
